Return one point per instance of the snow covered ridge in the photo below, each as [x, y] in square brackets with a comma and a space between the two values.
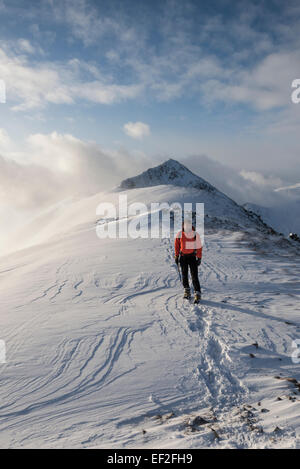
[100, 350]
[139, 220]
[168, 183]
[219, 208]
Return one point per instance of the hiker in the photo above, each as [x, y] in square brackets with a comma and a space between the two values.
[188, 253]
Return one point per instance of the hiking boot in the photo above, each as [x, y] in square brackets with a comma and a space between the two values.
[197, 297]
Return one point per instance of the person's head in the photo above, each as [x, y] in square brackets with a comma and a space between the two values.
[187, 225]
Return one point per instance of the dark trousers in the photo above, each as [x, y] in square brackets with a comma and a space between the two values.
[189, 261]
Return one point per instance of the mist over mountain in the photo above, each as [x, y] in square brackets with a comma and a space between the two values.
[168, 182]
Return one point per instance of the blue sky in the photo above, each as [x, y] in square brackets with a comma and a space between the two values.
[90, 82]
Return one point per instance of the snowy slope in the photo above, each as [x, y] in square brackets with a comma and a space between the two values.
[284, 218]
[170, 182]
[103, 352]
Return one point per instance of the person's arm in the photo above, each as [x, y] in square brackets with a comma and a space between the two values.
[198, 246]
[177, 245]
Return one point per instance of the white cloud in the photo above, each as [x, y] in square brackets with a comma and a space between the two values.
[242, 186]
[84, 20]
[5, 141]
[294, 186]
[183, 65]
[56, 166]
[25, 46]
[260, 180]
[265, 86]
[31, 86]
[98, 92]
[22, 47]
[49, 168]
[136, 130]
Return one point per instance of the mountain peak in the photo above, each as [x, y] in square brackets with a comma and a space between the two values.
[170, 172]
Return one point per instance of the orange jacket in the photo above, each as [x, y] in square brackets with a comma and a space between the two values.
[187, 243]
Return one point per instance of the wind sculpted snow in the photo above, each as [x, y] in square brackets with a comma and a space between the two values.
[102, 351]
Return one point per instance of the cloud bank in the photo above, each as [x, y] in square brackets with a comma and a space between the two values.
[50, 168]
[242, 186]
[207, 56]
[58, 166]
[33, 85]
